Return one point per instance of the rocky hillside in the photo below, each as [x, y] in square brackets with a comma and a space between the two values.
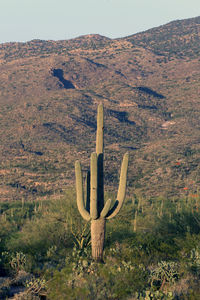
[149, 84]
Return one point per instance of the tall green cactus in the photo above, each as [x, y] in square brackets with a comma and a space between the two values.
[93, 208]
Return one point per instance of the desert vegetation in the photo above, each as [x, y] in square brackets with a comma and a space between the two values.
[152, 251]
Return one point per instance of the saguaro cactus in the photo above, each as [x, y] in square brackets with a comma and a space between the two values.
[93, 208]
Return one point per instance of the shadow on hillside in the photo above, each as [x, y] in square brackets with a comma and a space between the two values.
[150, 92]
[153, 107]
[86, 121]
[61, 131]
[65, 83]
[121, 116]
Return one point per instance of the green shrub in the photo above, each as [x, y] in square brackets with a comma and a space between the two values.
[82, 278]
[154, 295]
[164, 272]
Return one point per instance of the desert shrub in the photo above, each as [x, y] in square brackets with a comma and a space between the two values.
[195, 260]
[154, 295]
[83, 278]
[14, 262]
[16, 212]
[150, 248]
[34, 285]
[37, 235]
[43, 238]
[6, 230]
[180, 223]
[164, 272]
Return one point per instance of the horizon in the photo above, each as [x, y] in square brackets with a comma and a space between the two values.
[93, 34]
[24, 21]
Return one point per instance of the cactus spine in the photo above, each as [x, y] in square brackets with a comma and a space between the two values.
[93, 208]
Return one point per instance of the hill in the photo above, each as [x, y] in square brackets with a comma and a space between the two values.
[149, 85]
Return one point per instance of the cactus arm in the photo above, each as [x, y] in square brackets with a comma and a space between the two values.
[123, 178]
[122, 189]
[93, 187]
[87, 191]
[99, 136]
[79, 192]
[106, 208]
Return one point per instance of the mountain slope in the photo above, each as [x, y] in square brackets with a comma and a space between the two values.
[176, 39]
[149, 84]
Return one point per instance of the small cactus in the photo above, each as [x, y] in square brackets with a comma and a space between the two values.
[92, 208]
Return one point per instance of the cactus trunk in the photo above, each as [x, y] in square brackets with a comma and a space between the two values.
[98, 228]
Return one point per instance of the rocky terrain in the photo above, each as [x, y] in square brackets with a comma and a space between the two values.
[149, 85]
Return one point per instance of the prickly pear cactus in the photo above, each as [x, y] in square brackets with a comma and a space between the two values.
[95, 210]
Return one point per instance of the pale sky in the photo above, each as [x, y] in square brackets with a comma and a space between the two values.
[24, 20]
